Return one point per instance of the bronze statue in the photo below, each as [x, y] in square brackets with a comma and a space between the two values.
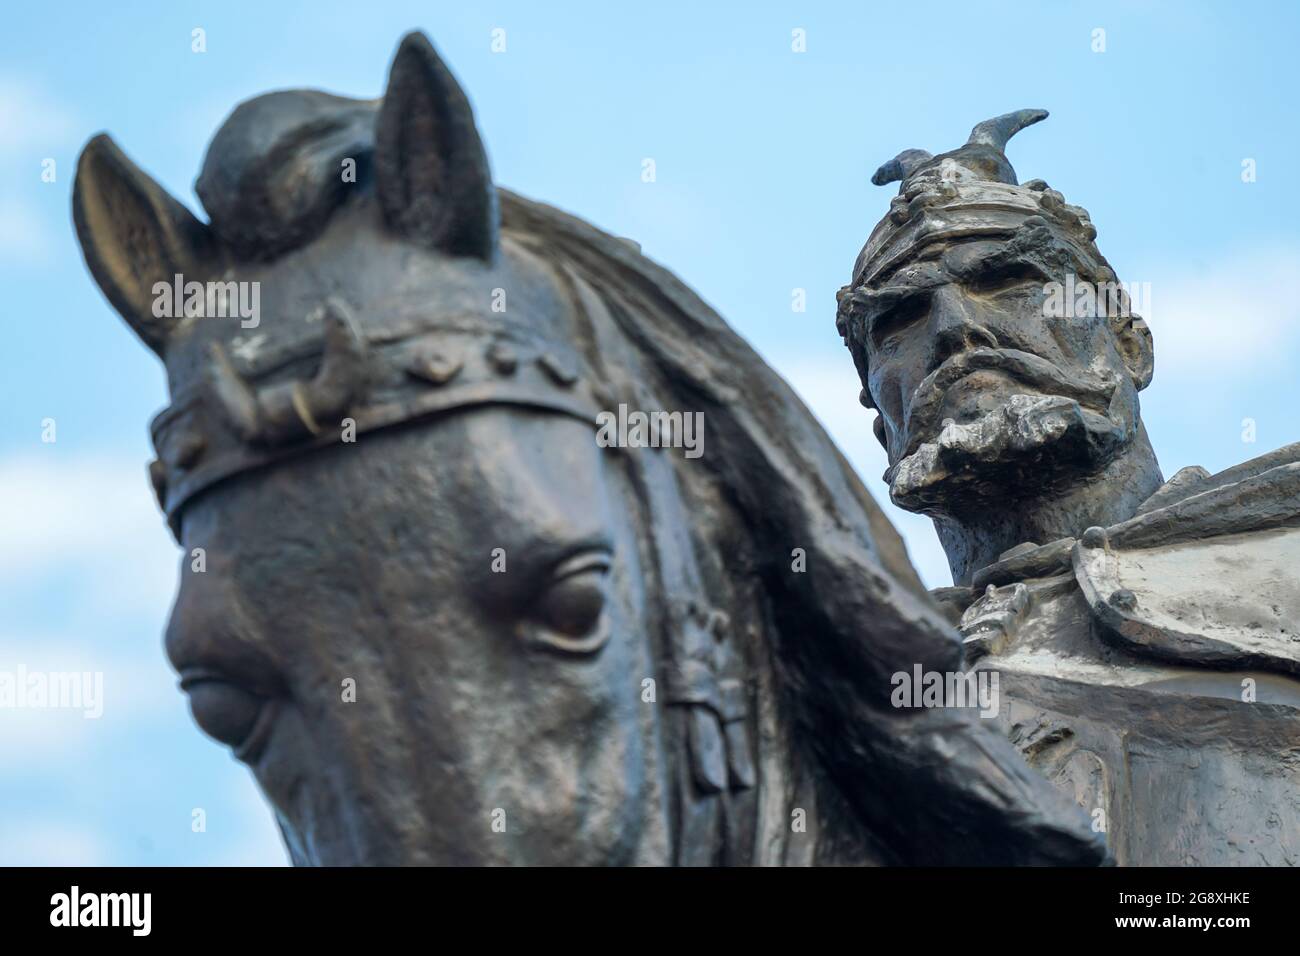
[1146, 632]
[441, 623]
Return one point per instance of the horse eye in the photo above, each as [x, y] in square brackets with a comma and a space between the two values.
[225, 711]
[570, 613]
[574, 605]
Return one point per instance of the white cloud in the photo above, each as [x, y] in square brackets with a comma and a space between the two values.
[88, 573]
[29, 117]
[131, 684]
[92, 516]
[51, 843]
[24, 236]
[1236, 316]
[33, 127]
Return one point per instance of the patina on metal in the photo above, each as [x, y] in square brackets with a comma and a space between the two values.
[437, 620]
[1147, 633]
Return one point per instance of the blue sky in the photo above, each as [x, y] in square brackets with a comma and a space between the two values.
[763, 161]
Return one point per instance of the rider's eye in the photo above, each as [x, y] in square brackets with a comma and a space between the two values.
[228, 713]
[1012, 278]
[897, 318]
[570, 614]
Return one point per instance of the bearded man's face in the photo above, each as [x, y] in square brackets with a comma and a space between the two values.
[986, 382]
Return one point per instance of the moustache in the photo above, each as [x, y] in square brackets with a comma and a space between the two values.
[1089, 390]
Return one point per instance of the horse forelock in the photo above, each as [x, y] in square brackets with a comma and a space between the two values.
[274, 171]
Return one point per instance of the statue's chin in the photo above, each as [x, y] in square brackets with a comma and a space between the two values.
[1029, 443]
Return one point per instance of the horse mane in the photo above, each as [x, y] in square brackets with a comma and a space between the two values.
[858, 614]
[835, 632]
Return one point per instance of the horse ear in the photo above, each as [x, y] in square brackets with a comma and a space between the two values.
[431, 172]
[134, 235]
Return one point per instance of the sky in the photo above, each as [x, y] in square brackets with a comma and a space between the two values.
[763, 157]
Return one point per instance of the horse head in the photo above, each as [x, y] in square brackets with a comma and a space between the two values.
[437, 619]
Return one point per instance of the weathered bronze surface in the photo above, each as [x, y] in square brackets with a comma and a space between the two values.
[442, 624]
[1147, 633]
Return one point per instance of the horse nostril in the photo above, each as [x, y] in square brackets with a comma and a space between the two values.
[979, 336]
[961, 335]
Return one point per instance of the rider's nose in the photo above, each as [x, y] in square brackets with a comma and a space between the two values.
[955, 326]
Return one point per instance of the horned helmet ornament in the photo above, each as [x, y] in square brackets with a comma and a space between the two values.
[970, 192]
